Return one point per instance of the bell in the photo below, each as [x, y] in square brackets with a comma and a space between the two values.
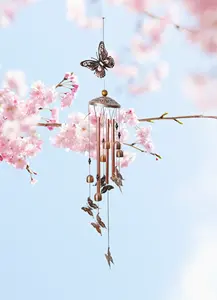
[103, 158]
[106, 145]
[119, 153]
[90, 179]
[98, 197]
[118, 145]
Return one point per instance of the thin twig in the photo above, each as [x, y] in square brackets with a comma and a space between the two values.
[60, 83]
[177, 26]
[49, 124]
[141, 150]
[162, 117]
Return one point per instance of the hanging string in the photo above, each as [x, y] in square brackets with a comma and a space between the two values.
[103, 38]
[89, 159]
[103, 29]
[119, 125]
[108, 219]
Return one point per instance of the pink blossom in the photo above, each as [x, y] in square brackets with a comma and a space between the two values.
[20, 163]
[69, 76]
[8, 10]
[128, 116]
[55, 114]
[199, 7]
[143, 137]
[127, 159]
[15, 81]
[201, 88]
[66, 99]
[76, 11]
[33, 181]
[143, 51]
[126, 71]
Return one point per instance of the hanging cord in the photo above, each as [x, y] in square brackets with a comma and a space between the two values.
[103, 38]
[119, 125]
[108, 219]
[89, 159]
[103, 29]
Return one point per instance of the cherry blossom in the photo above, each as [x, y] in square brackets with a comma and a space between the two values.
[19, 119]
[139, 5]
[9, 8]
[201, 88]
[143, 137]
[127, 159]
[76, 11]
[152, 81]
[15, 81]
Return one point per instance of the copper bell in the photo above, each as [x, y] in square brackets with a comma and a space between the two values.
[103, 158]
[118, 145]
[106, 145]
[90, 179]
[98, 197]
[119, 153]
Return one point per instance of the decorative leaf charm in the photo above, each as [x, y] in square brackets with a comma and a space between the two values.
[117, 181]
[99, 220]
[118, 174]
[88, 210]
[97, 227]
[92, 205]
[106, 188]
[109, 258]
[102, 181]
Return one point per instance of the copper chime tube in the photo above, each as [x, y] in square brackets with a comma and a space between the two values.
[113, 147]
[107, 151]
[98, 143]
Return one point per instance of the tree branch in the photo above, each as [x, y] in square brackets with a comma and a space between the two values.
[49, 124]
[176, 119]
[177, 26]
[141, 150]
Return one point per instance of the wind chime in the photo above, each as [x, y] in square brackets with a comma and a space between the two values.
[107, 146]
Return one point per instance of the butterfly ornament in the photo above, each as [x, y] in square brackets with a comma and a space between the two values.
[100, 64]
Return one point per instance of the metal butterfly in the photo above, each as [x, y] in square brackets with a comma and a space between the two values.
[100, 64]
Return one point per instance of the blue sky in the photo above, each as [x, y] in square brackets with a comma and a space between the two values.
[47, 248]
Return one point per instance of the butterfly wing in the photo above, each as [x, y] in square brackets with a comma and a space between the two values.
[103, 53]
[100, 71]
[106, 60]
[94, 65]
[109, 62]
[90, 64]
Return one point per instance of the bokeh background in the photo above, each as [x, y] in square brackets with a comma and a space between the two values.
[163, 227]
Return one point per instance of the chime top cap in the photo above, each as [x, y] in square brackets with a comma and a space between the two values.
[104, 101]
[104, 93]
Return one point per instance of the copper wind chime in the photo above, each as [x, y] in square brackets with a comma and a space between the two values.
[107, 146]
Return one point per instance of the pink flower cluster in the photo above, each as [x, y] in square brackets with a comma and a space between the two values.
[70, 82]
[19, 119]
[18, 138]
[143, 137]
[79, 134]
